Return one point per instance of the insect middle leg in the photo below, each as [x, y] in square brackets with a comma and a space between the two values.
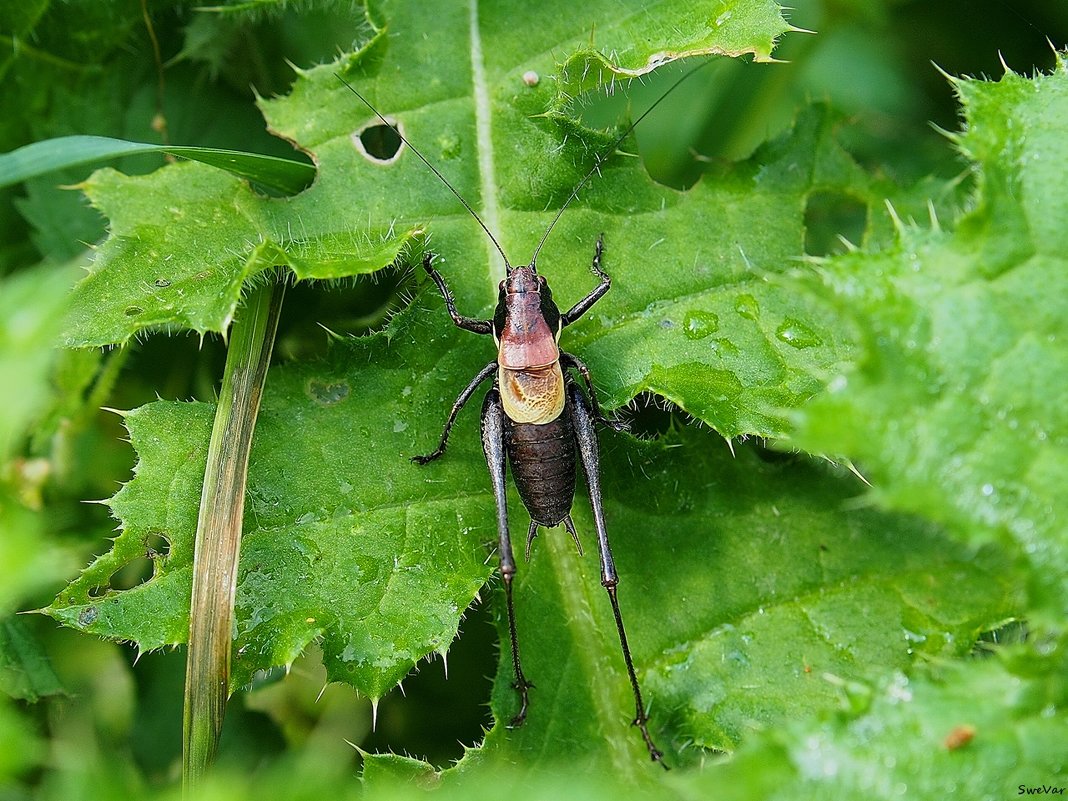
[493, 423]
[586, 436]
[463, 398]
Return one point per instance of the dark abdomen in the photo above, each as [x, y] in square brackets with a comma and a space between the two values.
[543, 466]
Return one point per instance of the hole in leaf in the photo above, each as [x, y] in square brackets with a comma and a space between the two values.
[379, 142]
[157, 546]
[99, 591]
[1013, 632]
[831, 217]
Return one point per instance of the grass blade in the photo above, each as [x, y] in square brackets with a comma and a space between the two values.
[40, 158]
[218, 538]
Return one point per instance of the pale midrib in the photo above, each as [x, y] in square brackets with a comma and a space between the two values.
[580, 605]
[484, 146]
[573, 596]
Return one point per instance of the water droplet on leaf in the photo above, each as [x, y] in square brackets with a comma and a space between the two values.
[747, 306]
[794, 332]
[700, 324]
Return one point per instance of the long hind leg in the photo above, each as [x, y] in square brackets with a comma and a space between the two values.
[583, 417]
[493, 423]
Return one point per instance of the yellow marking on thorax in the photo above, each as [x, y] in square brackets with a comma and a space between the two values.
[532, 396]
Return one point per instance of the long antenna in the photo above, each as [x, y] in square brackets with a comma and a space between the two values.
[604, 157]
[433, 169]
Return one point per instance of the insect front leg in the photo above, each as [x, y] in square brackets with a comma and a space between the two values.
[466, 323]
[493, 422]
[583, 306]
[586, 437]
[465, 396]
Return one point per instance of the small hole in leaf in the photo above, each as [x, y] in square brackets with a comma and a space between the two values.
[1013, 632]
[379, 142]
[157, 546]
[98, 591]
[831, 217]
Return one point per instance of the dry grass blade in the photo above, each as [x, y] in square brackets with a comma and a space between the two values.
[218, 539]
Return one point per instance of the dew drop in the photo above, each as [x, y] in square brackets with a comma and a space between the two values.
[797, 334]
[700, 324]
[747, 306]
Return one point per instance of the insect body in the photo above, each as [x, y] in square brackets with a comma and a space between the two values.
[536, 417]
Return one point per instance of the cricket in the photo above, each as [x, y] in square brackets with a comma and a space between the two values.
[536, 419]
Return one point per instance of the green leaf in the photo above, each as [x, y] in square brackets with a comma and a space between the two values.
[921, 737]
[705, 327]
[753, 588]
[954, 406]
[412, 591]
[40, 158]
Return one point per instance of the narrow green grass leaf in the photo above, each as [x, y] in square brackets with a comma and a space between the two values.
[40, 158]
